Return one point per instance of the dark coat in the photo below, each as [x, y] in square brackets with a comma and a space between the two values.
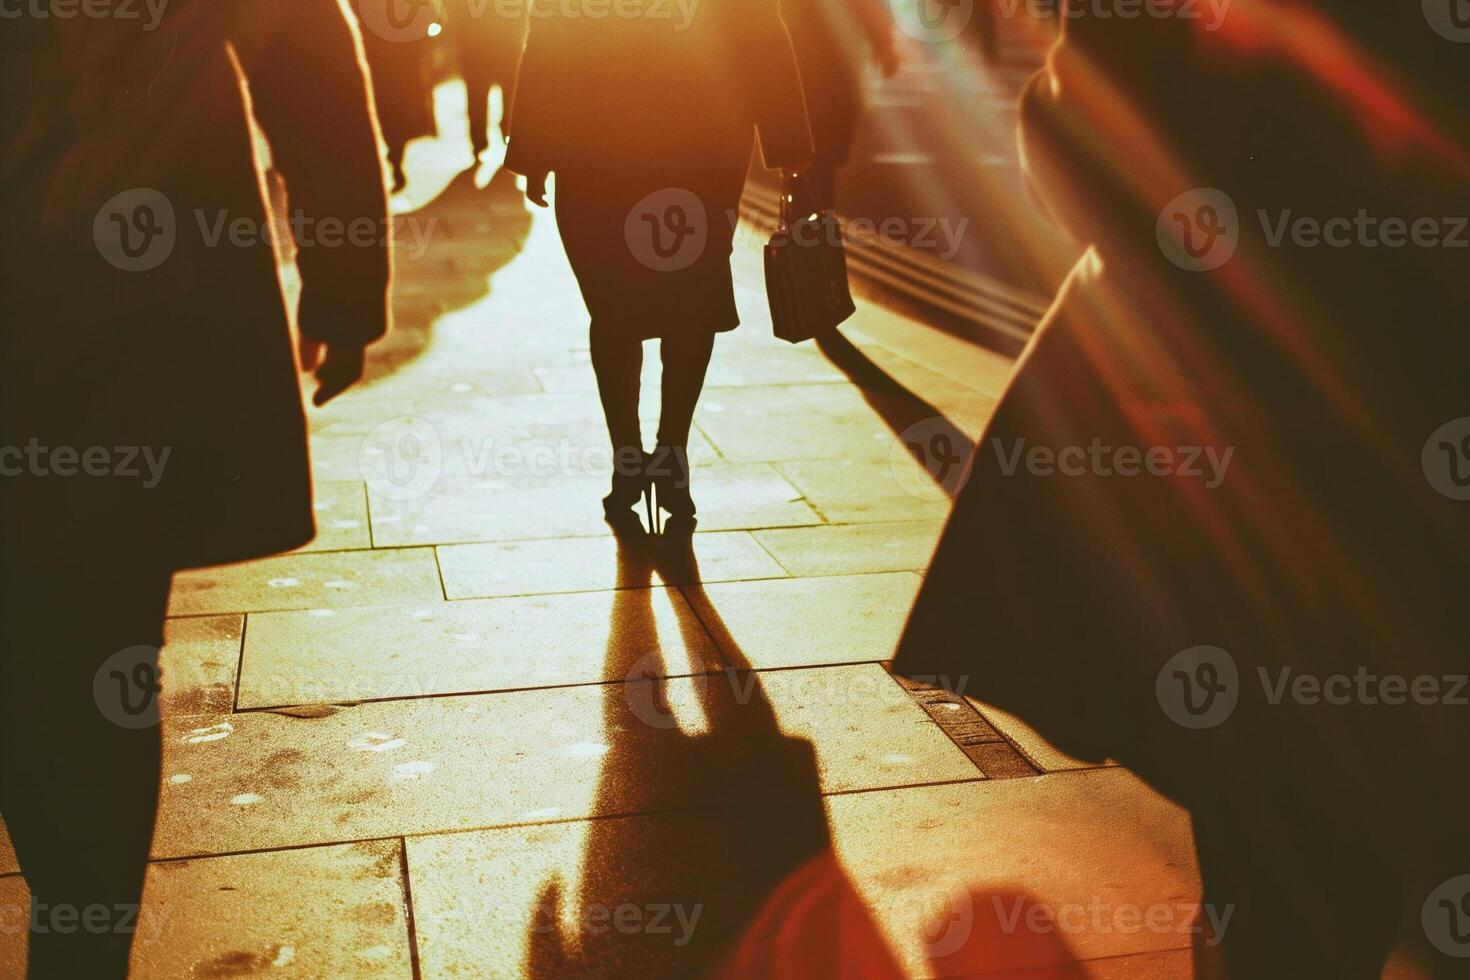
[648, 126]
[192, 355]
[1325, 547]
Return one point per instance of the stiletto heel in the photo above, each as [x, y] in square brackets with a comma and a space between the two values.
[669, 470]
[628, 486]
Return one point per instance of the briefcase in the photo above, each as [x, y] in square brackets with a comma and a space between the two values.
[806, 269]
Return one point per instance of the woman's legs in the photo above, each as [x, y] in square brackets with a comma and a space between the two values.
[686, 359]
[618, 363]
[80, 756]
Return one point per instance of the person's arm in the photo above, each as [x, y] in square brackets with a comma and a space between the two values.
[310, 94]
[538, 118]
[876, 20]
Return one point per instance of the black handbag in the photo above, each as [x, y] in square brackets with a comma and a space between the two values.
[806, 270]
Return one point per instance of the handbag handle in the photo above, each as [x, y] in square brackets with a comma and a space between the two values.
[791, 185]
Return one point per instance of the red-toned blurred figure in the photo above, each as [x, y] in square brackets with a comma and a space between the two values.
[149, 381]
[1152, 617]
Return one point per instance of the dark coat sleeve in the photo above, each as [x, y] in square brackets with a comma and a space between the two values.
[540, 116]
[311, 96]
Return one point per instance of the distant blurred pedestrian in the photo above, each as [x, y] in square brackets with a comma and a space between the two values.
[487, 39]
[402, 75]
[834, 41]
[649, 125]
[152, 418]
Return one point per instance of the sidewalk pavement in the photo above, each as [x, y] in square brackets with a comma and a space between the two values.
[460, 735]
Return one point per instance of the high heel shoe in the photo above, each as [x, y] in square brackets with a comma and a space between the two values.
[668, 466]
[629, 485]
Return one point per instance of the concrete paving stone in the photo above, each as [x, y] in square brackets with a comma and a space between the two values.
[341, 516]
[14, 901]
[1032, 744]
[786, 422]
[310, 581]
[8, 864]
[667, 894]
[855, 491]
[200, 660]
[586, 564]
[454, 511]
[1070, 843]
[268, 780]
[850, 549]
[809, 622]
[333, 656]
[316, 912]
[308, 913]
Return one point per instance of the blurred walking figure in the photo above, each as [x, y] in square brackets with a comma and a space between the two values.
[158, 355]
[648, 124]
[401, 63]
[834, 40]
[487, 39]
[1154, 614]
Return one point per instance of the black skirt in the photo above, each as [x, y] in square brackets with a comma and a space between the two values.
[650, 245]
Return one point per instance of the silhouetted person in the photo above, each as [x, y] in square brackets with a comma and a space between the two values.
[1329, 543]
[150, 366]
[648, 124]
[833, 40]
[403, 88]
[487, 39]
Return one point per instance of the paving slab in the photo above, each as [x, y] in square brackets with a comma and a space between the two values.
[333, 579]
[200, 660]
[343, 655]
[585, 564]
[854, 491]
[851, 549]
[809, 621]
[769, 424]
[455, 511]
[306, 913]
[341, 516]
[668, 894]
[265, 780]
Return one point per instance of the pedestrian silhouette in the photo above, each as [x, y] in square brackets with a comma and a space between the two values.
[487, 41]
[1146, 613]
[648, 123]
[135, 334]
[401, 66]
